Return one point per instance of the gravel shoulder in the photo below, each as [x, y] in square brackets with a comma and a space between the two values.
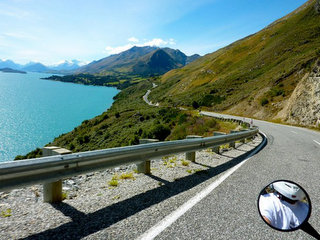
[93, 209]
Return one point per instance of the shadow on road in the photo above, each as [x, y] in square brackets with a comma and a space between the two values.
[83, 225]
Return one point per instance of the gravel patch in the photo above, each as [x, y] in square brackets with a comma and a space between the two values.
[93, 209]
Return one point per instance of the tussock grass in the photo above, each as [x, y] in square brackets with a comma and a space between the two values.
[127, 176]
[113, 183]
[6, 213]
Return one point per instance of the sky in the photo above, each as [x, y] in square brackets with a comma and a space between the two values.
[50, 31]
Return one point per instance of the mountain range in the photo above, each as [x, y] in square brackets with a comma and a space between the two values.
[137, 61]
[140, 61]
[63, 67]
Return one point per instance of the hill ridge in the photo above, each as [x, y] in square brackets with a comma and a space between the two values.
[136, 61]
[254, 76]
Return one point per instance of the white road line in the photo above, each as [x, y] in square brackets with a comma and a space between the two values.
[294, 132]
[316, 142]
[171, 218]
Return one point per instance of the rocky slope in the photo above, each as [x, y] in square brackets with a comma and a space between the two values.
[303, 107]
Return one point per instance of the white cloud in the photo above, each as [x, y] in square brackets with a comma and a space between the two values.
[115, 50]
[133, 39]
[156, 42]
[14, 12]
[172, 41]
[19, 35]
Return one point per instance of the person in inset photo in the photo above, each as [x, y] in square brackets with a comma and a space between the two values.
[284, 206]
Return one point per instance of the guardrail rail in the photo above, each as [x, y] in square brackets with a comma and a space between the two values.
[51, 169]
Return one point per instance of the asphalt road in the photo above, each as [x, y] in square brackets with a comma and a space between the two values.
[230, 210]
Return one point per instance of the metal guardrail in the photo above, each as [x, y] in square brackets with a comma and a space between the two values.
[49, 169]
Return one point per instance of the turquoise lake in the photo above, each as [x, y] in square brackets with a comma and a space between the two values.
[34, 111]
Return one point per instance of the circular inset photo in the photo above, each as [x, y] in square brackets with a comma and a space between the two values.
[284, 205]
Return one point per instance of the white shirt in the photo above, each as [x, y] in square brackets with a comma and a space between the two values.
[282, 214]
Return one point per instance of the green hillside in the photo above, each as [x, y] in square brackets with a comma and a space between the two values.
[253, 76]
[130, 119]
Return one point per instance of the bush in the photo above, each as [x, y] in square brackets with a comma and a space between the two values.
[206, 100]
[212, 123]
[276, 91]
[264, 101]
[182, 118]
[71, 146]
[195, 105]
[168, 114]
[134, 140]
[34, 154]
[159, 132]
[179, 132]
[105, 116]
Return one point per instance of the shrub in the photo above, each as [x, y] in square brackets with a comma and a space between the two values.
[80, 139]
[182, 118]
[206, 100]
[212, 123]
[264, 101]
[159, 132]
[276, 91]
[168, 114]
[33, 154]
[134, 140]
[19, 157]
[105, 116]
[195, 105]
[86, 139]
[71, 146]
[179, 132]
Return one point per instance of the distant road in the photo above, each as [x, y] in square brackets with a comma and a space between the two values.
[230, 210]
[145, 97]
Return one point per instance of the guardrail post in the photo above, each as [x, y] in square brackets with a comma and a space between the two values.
[191, 156]
[217, 148]
[145, 166]
[232, 144]
[52, 192]
[243, 140]
[251, 138]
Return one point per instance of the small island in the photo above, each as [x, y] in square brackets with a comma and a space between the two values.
[10, 70]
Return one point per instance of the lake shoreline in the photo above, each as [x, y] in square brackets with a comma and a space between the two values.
[55, 108]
